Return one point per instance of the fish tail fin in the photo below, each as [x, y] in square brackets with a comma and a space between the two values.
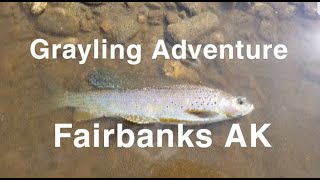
[51, 99]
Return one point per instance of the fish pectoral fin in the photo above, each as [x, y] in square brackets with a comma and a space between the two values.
[201, 113]
[139, 119]
[84, 115]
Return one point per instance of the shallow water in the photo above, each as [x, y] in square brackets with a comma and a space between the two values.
[285, 94]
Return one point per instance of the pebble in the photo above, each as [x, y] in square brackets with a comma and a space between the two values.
[176, 70]
[36, 8]
[135, 4]
[172, 18]
[263, 10]
[217, 37]
[120, 32]
[155, 17]
[170, 5]
[284, 9]
[69, 40]
[106, 26]
[93, 3]
[192, 8]
[153, 5]
[87, 25]
[310, 10]
[142, 19]
[268, 31]
[191, 29]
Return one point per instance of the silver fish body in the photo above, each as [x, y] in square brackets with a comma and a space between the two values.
[179, 103]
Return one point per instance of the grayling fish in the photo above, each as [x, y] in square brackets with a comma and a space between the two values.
[178, 104]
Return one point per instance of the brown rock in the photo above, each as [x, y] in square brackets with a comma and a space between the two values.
[58, 21]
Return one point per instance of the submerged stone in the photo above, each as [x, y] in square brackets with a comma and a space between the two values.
[103, 79]
[191, 29]
[58, 21]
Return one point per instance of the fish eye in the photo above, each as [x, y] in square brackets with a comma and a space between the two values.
[240, 101]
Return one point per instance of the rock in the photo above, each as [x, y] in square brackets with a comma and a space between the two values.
[310, 10]
[192, 8]
[242, 18]
[170, 5]
[142, 19]
[192, 29]
[155, 17]
[268, 31]
[120, 32]
[93, 3]
[263, 10]
[69, 40]
[172, 18]
[87, 25]
[106, 27]
[182, 14]
[135, 4]
[214, 38]
[153, 5]
[36, 7]
[103, 79]
[228, 5]
[244, 6]
[176, 70]
[58, 21]
[217, 37]
[284, 9]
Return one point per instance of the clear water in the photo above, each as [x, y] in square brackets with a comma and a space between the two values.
[285, 94]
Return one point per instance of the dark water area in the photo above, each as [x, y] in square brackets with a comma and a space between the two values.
[285, 92]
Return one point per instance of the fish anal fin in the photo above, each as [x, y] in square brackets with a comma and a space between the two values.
[173, 120]
[139, 119]
[84, 115]
[229, 114]
[201, 113]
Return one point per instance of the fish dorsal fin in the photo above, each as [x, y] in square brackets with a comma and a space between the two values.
[84, 115]
[201, 113]
[139, 119]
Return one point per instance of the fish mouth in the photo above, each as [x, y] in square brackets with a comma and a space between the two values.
[249, 110]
